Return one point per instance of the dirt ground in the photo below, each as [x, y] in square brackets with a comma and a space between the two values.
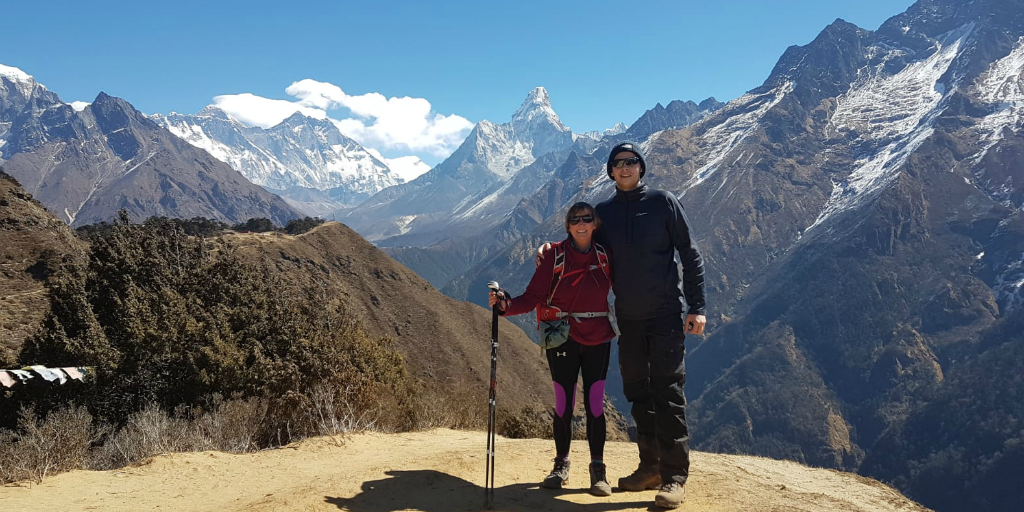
[438, 471]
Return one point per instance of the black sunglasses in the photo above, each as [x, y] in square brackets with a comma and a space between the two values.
[619, 162]
[575, 219]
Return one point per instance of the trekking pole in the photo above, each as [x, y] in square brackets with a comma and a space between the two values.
[492, 412]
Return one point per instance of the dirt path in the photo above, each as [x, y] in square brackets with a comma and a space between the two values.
[437, 471]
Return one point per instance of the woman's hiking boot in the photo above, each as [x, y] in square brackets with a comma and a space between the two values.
[558, 476]
[641, 480]
[670, 495]
[599, 485]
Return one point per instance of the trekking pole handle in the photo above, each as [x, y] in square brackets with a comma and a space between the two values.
[493, 285]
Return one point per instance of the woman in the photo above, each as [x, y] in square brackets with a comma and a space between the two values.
[572, 284]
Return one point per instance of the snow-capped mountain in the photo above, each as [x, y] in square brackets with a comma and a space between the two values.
[489, 157]
[614, 130]
[495, 152]
[22, 102]
[85, 163]
[292, 158]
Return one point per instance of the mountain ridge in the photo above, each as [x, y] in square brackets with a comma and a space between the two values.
[298, 154]
[87, 164]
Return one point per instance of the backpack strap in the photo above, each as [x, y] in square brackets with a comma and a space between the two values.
[546, 312]
[602, 260]
[556, 270]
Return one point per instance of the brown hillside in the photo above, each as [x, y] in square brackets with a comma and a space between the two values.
[445, 342]
[32, 242]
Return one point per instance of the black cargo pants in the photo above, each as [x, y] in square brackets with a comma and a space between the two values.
[653, 373]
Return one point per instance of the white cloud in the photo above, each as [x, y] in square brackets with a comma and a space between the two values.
[407, 167]
[263, 112]
[396, 125]
[79, 105]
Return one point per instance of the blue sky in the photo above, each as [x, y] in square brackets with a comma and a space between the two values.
[601, 62]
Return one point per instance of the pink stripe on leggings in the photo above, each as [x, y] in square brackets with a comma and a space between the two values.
[559, 399]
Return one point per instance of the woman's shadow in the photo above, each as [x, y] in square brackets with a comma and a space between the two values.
[433, 491]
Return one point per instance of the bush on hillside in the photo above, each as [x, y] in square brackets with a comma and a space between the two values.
[42, 447]
[299, 226]
[260, 225]
[171, 320]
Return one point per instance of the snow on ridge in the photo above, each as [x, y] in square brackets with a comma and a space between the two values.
[324, 165]
[1009, 285]
[917, 94]
[470, 213]
[1001, 87]
[500, 151]
[16, 75]
[720, 140]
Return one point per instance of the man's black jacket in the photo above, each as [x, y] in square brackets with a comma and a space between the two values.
[643, 229]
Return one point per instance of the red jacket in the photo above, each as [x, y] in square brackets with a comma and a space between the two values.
[589, 294]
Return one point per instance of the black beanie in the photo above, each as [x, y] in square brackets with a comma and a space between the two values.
[627, 146]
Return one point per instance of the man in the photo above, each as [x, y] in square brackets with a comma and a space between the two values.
[644, 229]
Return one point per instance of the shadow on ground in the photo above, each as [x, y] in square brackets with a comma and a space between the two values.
[433, 491]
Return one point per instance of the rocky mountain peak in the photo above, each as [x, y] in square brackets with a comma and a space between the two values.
[296, 119]
[104, 104]
[676, 114]
[124, 126]
[536, 114]
[839, 26]
[16, 76]
[710, 104]
[617, 129]
[538, 97]
[214, 112]
[18, 90]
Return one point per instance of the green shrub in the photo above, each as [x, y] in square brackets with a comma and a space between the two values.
[299, 226]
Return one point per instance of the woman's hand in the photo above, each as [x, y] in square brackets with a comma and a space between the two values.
[497, 298]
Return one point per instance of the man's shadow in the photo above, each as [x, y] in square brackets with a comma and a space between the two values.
[433, 491]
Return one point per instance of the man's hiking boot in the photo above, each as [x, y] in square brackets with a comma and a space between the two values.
[670, 495]
[599, 485]
[558, 476]
[641, 480]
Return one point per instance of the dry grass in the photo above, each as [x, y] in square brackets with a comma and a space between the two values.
[67, 438]
[40, 448]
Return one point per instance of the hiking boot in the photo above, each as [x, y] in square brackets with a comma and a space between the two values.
[641, 480]
[599, 485]
[558, 476]
[670, 495]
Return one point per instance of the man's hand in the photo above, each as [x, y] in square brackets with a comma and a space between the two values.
[540, 253]
[695, 324]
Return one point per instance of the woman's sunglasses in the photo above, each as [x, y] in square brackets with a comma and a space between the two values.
[575, 219]
[619, 162]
